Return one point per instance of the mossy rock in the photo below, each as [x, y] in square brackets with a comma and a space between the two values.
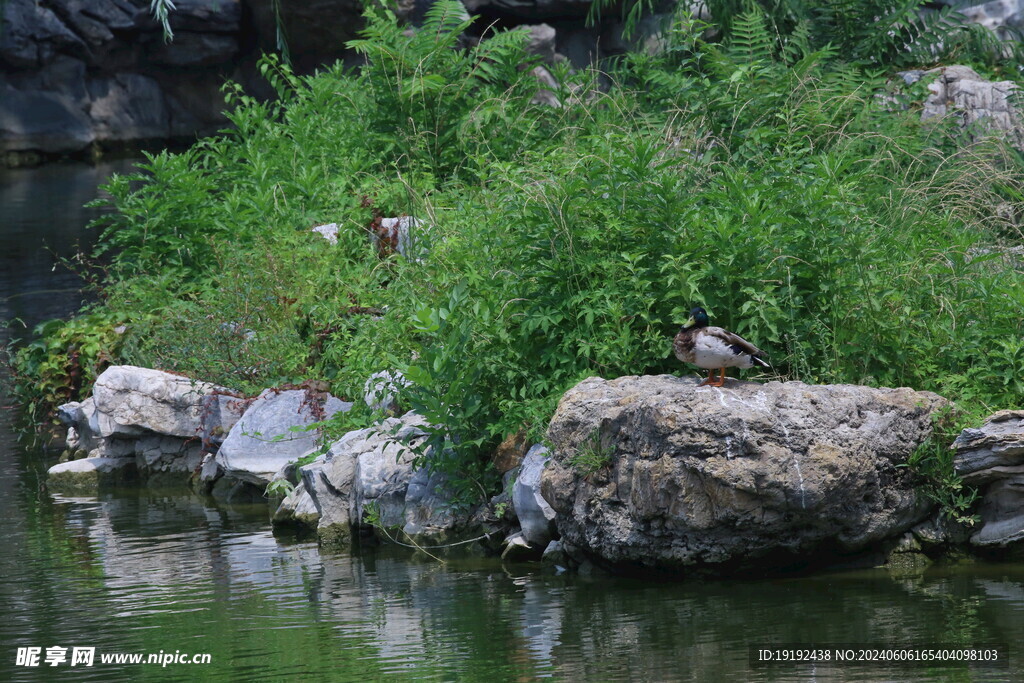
[88, 475]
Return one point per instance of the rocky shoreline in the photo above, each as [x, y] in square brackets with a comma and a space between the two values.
[649, 475]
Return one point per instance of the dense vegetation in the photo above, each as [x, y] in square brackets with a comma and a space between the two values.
[783, 184]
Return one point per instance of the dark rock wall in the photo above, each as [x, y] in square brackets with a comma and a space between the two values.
[77, 75]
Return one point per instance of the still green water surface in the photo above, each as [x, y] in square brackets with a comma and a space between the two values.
[143, 571]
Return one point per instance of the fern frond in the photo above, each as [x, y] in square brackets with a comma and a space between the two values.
[750, 40]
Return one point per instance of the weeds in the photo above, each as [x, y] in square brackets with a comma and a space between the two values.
[933, 461]
[592, 457]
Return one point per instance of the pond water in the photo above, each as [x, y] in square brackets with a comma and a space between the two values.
[165, 572]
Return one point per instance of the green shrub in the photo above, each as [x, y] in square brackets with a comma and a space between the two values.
[63, 360]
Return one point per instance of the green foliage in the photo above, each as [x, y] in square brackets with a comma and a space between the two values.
[591, 457]
[161, 11]
[63, 360]
[236, 330]
[446, 390]
[886, 33]
[279, 488]
[760, 176]
[431, 102]
[933, 461]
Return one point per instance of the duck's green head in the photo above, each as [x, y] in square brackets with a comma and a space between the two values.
[698, 318]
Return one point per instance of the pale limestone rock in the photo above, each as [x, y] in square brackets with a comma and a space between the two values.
[272, 433]
[88, 474]
[130, 401]
[980, 105]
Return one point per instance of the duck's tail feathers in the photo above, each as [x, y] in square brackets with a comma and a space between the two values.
[760, 362]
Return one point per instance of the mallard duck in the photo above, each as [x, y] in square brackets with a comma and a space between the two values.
[712, 347]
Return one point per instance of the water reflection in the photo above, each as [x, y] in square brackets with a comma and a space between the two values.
[42, 216]
[142, 571]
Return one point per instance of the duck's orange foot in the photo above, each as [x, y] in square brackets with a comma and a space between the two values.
[712, 380]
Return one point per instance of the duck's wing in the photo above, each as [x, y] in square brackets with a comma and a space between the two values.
[738, 344]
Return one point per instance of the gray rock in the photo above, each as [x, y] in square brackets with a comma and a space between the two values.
[992, 458]
[79, 417]
[329, 483]
[541, 42]
[317, 29]
[655, 472]
[270, 434]
[89, 474]
[536, 517]
[554, 554]
[993, 451]
[530, 10]
[546, 96]
[209, 473]
[997, 16]
[131, 401]
[127, 106]
[980, 105]
[373, 469]
[906, 559]
[939, 531]
[31, 33]
[1002, 513]
[384, 468]
[297, 509]
[167, 454]
[220, 412]
[209, 16]
[191, 49]
[41, 120]
[76, 73]
[329, 232]
[429, 514]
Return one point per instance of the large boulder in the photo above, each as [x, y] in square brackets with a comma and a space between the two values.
[656, 473]
[131, 401]
[992, 458]
[274, 431]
